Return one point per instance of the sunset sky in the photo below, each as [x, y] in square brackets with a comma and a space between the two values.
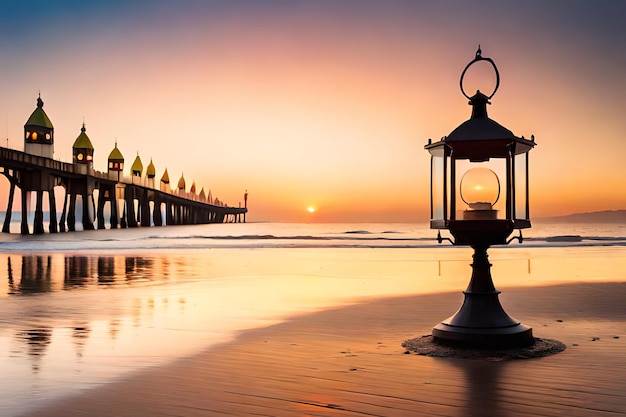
[324, 104]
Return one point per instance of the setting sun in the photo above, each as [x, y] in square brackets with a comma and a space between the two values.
[311, 209]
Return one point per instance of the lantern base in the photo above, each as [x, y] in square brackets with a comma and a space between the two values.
[482, 322]
[514, 337]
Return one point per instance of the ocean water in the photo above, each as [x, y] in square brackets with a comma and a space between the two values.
[291, 235]
[81, 309]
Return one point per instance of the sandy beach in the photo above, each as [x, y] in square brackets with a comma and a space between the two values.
[349, 361]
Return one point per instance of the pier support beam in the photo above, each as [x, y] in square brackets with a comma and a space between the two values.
[156, 213]
[113, 218]
[6, 227]
[169, 218]
[53, 212]
[71, 214]
[144, 209]
[24, 226]
[131, 217]
[102, 198]
[123, 223]
[63, 213]
[38, 222]
[88, 209]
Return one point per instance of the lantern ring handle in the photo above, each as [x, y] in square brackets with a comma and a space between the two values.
[479, 57]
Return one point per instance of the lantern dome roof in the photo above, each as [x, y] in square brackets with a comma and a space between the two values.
[181, 183]
[82, 141]
[480, 129]
[481, 138]
[116, 155]
[39, 117]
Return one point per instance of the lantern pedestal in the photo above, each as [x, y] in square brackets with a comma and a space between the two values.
[481, 321]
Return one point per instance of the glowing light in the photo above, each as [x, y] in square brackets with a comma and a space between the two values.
[311, 209]
[480, 188]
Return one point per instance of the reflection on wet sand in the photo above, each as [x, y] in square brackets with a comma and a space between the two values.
[34, 343]
[37, 341]
[43, 274]
[114, 328]
[80, 334]
[76, 272]
[32, 276]
[106, 269]
[36, 274]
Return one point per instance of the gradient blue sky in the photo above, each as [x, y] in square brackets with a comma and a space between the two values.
[322, 103]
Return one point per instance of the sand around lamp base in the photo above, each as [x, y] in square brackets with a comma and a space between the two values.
[426, 346]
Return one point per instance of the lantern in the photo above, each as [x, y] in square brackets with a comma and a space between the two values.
[479, 192]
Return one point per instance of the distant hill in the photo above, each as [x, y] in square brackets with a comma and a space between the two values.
[607, 216]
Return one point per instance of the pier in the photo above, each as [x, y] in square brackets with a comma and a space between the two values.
[124, 201]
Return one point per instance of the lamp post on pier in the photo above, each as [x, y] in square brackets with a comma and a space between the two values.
[479, 192]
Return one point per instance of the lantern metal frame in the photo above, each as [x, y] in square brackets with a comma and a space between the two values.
[480, 141]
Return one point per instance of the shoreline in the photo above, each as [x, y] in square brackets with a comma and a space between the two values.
[349, 361]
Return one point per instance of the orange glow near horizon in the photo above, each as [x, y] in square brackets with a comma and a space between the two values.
[325, 102]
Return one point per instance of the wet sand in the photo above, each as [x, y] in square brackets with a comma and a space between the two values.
[349, 362]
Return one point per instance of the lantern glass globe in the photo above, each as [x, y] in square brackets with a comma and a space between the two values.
[480, 188]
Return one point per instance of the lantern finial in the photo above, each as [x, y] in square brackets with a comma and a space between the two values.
[479, 57]
[479, 105]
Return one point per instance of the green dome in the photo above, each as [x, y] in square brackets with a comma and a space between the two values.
[116, 155]
[137, 166]
[166, 177]
[151, 171]
[82, 141]
[39, 117]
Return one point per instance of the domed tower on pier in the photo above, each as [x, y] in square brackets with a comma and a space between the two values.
[181, 186]
[39, 133]
[116, 162]
[136, 170]
[82, 150]
[165, 182]
[137, 167]
[150, 175]
[192, 191]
